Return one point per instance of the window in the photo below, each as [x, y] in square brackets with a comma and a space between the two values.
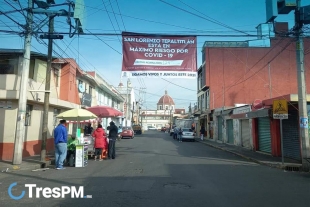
[160, 107]
[28, 115]
[208, 99]
[56, 77]
[203, 105]
[203, 58]
[90, 90]
[56, 112]
[167, 107]
[200, 81]
[6, 68]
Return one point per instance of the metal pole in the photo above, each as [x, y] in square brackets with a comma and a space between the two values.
[270, 88]
[281, 133]
[22, 103]
[127, 105]
[302, 94]
[47, 88]
[133, 109]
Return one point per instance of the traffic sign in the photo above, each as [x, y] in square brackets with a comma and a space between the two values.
[280, 109]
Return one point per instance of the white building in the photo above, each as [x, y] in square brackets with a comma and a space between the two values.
[129, 107]
[163, 116]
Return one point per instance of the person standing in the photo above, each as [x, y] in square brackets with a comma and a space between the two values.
[180, 134]
[60, 141]
[175, 133]
[88, 129]
[99, 135]
[113, 132]
[202, 132]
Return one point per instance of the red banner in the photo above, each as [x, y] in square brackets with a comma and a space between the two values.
[159, 56]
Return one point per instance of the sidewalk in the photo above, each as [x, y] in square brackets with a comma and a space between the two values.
[257, 157]
[29, 163]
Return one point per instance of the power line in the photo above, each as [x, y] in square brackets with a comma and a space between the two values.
[218, 22]
[115, 16]
[255, 73]
[179, 85]
[120, 14]
[215, 22]
[111, 20]
[106, 43]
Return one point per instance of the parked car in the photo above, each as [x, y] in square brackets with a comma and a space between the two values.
[127, 133]
[188, 134]
[151, 128]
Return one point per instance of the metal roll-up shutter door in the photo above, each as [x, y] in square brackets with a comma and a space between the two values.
[291, 142]
[264, 138]
[219, 128]
[230, 131]
[245, 133]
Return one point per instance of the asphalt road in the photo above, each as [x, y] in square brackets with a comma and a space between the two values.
[153, 170]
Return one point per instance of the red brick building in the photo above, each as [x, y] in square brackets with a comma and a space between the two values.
[238, 73]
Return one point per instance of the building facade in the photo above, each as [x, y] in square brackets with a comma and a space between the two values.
[164, 114]
[65, 93]
[236, 83]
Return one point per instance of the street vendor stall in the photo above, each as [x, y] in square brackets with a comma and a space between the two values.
[81, 151]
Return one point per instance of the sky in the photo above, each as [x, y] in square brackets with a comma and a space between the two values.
[224, 20]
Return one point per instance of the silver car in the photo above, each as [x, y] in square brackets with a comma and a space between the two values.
[188, 134]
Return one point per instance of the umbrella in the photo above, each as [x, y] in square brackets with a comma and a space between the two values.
[77, 115]
[105, 111]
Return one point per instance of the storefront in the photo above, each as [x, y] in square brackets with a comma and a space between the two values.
[246, 135]
[264, 136]
[219, 128]
[291, 142]
[230, 131]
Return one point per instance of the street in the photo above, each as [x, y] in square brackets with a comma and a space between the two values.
[154, 170]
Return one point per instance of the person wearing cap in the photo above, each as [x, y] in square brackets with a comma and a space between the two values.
[113, 132]
[60, 141]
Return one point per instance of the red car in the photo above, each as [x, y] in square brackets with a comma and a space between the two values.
[127, 133]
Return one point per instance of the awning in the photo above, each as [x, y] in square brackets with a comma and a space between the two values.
[197, 113]
[83, 122]
[105, 111]
[223, 113]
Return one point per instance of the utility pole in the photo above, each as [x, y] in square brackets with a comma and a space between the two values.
[127, 105]
[22, 103]
[133, 109]
[302, 94]
[47, 88]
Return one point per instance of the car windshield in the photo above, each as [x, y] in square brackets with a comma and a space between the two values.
[187, 130]
[126, 128]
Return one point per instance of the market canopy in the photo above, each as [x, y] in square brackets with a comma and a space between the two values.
[77, 115]
[105, 111]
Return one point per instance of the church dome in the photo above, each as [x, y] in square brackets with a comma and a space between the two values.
[165, 100]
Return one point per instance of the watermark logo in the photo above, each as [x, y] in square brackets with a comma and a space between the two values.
[15, 197]
[57, 192]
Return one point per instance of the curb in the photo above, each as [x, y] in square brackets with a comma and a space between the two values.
[25, 166]
[245, 157]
